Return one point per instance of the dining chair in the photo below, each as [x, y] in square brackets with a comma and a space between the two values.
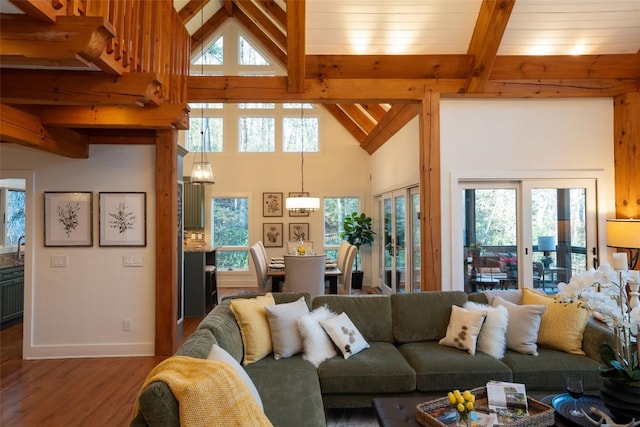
[347, 269]
[304, 273]
[341, 255]
[264, 251]
[261, 266]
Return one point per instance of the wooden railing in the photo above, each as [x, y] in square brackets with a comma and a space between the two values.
[150, 37]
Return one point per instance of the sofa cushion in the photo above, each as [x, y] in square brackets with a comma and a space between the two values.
[556, 365]
[344, 335]
[379, 369]
[222, 324]
[371, 314]
[524, 323]
[283, 325]
[290, 391]
[423, 316]
[464, 328]
[254, 326]
[198, 344]
[562, 324]
[439, 367]
[219, 353]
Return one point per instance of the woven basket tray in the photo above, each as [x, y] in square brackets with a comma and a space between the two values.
[540, 414]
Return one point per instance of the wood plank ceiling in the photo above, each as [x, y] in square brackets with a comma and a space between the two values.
[369, 62]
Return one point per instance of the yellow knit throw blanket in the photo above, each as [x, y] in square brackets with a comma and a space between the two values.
[209, 393]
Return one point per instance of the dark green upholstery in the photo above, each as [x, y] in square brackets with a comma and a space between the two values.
[441, 368]
[423, 316]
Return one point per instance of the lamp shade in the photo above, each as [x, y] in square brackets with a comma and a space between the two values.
[546, 243]
[302, 204]
[623, 233]
[202, 173]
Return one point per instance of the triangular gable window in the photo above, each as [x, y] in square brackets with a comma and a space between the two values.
[214, 54]
[248, 55]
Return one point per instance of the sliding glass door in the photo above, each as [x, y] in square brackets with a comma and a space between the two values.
[533, 233]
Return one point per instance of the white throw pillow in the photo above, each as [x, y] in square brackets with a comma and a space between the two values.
[524, 324]
[283, 324]
[315, 341]
[345, 335]
[220, 354]
[464, 328]
[492, 339]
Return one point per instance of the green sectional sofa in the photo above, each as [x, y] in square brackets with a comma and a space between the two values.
[404, 358]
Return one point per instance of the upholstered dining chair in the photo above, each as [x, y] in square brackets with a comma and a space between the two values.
[347, 269]
[304, 273]
[264, 251]
[261, 265]
[342, 254]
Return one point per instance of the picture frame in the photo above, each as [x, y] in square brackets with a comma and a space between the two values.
[123, 219]
[272, 204]
[298, 194]
[272, 234]
[298, 231]
[68, 218]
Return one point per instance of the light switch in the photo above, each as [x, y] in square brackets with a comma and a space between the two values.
[132, 261]
[59, 261]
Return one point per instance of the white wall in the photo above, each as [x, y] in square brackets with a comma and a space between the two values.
[341, 168]
[526, 138]
[78, 311]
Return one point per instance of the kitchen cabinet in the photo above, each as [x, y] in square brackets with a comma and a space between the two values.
[193, 205]
[199, 289]
[12, 293]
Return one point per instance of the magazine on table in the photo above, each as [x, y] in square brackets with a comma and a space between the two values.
[508, 400]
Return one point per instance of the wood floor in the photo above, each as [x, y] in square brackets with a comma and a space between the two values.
[92, 391]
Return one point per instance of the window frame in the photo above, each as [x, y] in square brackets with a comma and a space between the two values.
[221, 248]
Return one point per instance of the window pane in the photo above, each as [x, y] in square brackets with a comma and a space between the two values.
[256, 134]
[15, 216]
[292, 131]
[335, 210]
[256, 106]
[297, 106]
[213, 138]
[212, 55]
[230, 228]
[212, 105]
[247, 55]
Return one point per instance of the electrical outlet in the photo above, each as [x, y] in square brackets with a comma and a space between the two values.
[126, 325]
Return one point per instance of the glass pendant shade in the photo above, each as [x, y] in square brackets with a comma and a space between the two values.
[202, 173]
[302, 204]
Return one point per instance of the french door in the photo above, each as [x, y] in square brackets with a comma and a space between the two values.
[399, 237]
[527, 233]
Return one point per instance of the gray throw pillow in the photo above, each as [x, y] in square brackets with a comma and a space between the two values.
[283, 324]
[524, 323]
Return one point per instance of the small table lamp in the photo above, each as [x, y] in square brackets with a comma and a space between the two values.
[625, 234]
[546, 244]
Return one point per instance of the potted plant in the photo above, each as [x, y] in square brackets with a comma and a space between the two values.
[358, 232]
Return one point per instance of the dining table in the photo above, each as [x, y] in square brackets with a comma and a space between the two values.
[277, 273]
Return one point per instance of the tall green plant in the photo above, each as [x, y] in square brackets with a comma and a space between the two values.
[357, 231]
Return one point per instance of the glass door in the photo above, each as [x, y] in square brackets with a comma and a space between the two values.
[415, 237]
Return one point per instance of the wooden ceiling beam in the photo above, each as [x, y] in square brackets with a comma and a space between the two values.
[208, 28]
[618, 66]
[191, 9]
[166, 116]
[375, 110]
[253, 28]
[275, 11]
[257, 15]
[296, 19]
[557, 88]
[358, 116]
[26, 129]
[73, 42]
[37, 9]
[79, 88]
[487, 35]
[395, 119]
[388, 66]
[227, 5]
[346, 122]
[275, 89]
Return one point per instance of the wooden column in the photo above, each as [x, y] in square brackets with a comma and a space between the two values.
[166, 242]
[430, 210]
[626, 154]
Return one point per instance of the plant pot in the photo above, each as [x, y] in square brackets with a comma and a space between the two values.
[356, 279]
[622, 399]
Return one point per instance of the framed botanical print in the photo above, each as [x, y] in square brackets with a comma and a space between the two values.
[298, 194]
[272, 235]
[68, 218]
[272, 204]
[298, 231]
[123, 219]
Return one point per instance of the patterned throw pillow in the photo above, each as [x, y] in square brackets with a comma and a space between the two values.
[345, 335]
[464, 327]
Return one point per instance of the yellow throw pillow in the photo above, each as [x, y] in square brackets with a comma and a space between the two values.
[254, 326]
[562, 325]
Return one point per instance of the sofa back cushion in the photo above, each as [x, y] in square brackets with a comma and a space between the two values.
[197, 345]
[371, 314]
[423, 316]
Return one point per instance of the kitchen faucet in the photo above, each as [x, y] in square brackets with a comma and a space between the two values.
[20, 239]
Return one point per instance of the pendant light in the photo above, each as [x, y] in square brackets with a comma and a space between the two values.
[302, 204]
[202, 172]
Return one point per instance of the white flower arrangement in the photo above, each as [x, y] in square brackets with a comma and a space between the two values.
[603, 292]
